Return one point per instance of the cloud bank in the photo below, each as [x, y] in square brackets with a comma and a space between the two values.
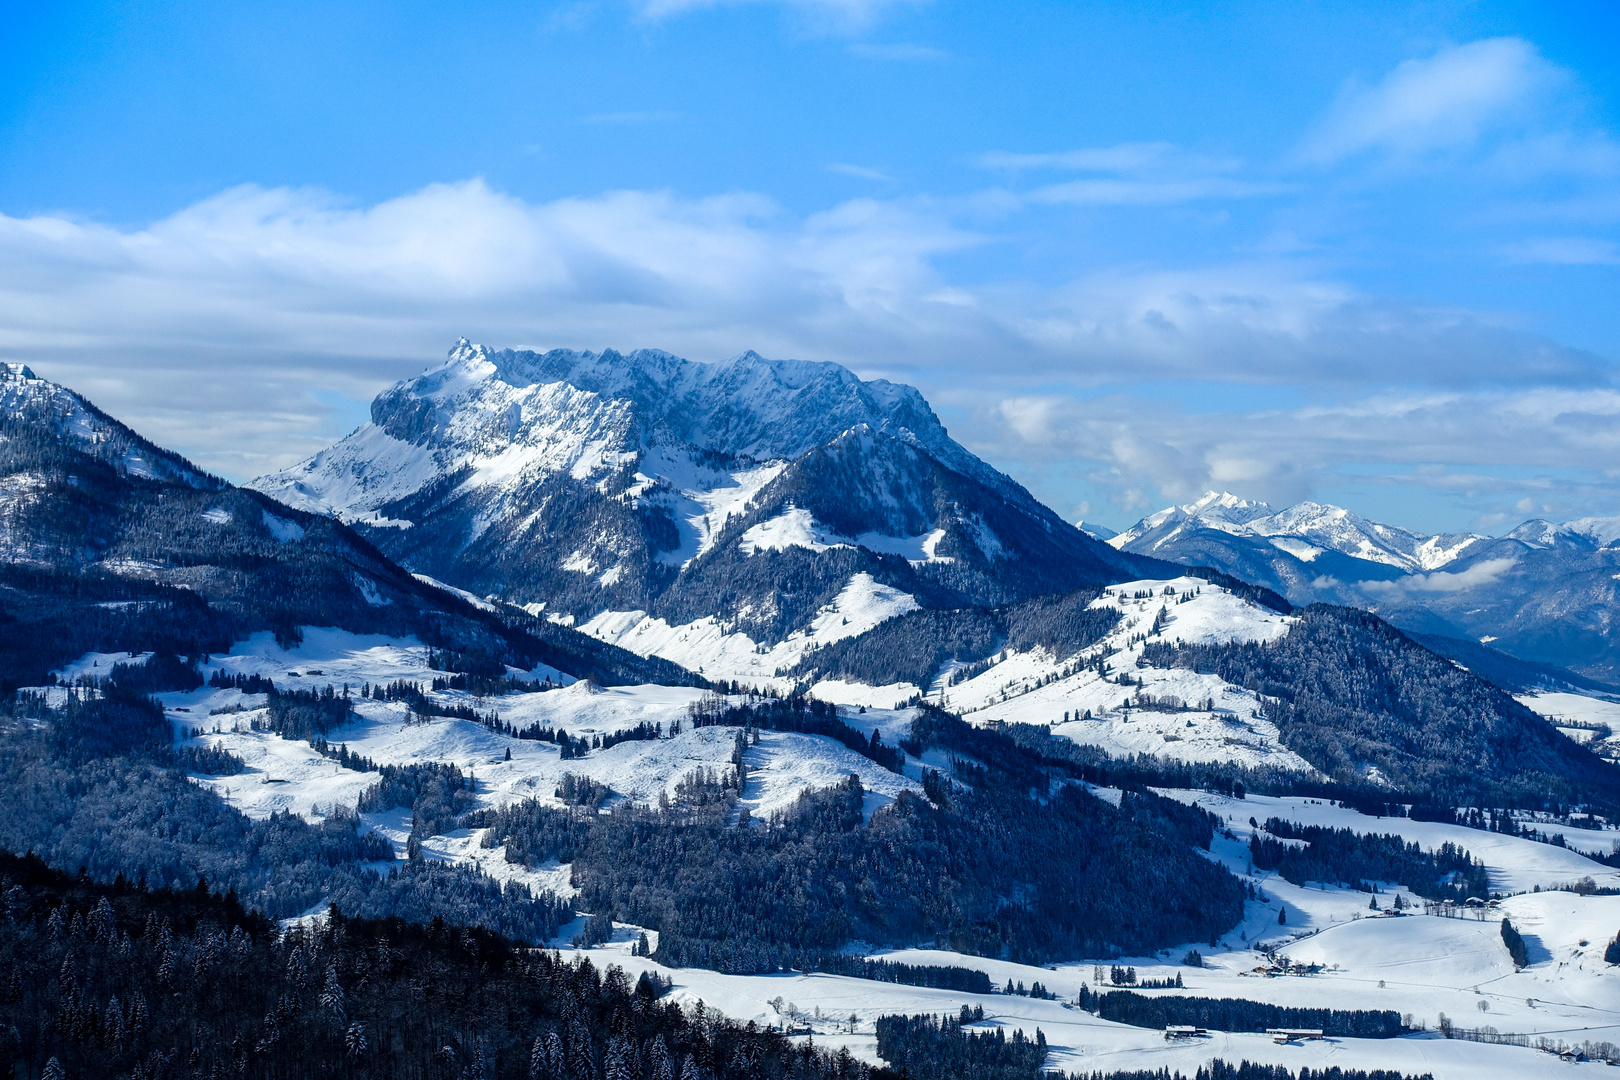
[218, 326]
[249, 329]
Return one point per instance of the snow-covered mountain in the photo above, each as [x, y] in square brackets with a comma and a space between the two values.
[750, 491]
[109, 541]
[1543, 592]
[1305, 531]
[43, 408]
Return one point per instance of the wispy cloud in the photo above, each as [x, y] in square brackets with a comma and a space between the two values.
[1441, 581]
[1143, 192]
[1502, 447]
[1133, 174]
[896, 51]
[836, 15]
[860, 172]
[1440, 102]
[1565, 250]
[1132, 158]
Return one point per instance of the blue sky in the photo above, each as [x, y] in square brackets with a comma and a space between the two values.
[1362, 253]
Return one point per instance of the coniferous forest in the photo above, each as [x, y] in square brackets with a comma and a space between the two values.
[924, 870]
[1349, 692]
[117, 979]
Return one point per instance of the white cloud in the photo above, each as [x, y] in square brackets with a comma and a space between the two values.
[1484, 572]
[1137, 192]
[218, 330]
[1440, 102]
[1130, 158]
[833, 14]
[1132, 174]
[1500, 445]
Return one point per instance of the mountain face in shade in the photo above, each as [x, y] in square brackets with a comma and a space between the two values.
[1543, 592]
[751, 490]
[108, 542]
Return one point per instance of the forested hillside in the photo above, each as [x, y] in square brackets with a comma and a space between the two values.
[110, 544]
[1369, 706]
[913, 647]
[96, 784]
[765, 895]
[118, 980]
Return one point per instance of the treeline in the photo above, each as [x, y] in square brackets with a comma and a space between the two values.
[421, 705]
[939, 977]
[51, 616]
[1348, 693]
[306, 714]
[913, 647]
[797, 712]
[248, 684]
[1236, 1014]
[932, 1048]
[437, 794]
[105, 980]
[1096, 766]
[936, 1048]
[1346, 857]
[1248, 1070]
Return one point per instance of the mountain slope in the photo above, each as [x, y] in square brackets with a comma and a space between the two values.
[1543, 593]
[108, 542]
[750, 490]
[1367, 705]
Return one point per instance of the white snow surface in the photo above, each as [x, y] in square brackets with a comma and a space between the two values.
[1588, 719]
[1419, 965]
[1035, 687]
[795, 527]
[285, 774]
[709, 647]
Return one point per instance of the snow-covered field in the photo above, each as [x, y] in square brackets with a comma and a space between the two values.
[1591, 720]
[708, 647]
[286, 774]
[1032, 686]
[1217, 722]
[1418, 965]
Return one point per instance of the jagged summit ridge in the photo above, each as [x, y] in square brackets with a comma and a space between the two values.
[506, 416]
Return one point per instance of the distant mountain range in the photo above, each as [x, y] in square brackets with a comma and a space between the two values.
[1544, 592]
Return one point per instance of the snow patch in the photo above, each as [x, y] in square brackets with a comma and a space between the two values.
[282, 529]
[708, 646]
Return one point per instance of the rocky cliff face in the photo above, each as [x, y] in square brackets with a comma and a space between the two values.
[577, 483]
